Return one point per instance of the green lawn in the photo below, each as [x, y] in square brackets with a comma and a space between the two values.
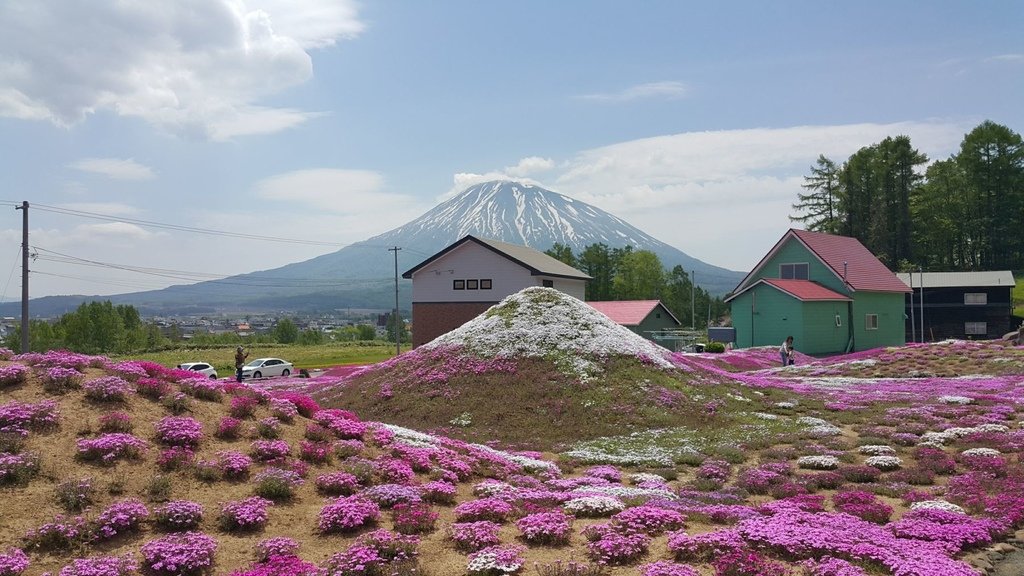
[316, 356]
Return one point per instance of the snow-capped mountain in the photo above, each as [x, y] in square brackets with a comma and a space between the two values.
[361, 274]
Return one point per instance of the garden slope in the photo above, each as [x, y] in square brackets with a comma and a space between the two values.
[539, 368]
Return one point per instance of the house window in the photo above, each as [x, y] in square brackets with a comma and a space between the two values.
[485, 284]
[871, 321]
[458, 284]
[975, 299]
[975, 328]
[472, 284]
[548, 283]
[793, 271]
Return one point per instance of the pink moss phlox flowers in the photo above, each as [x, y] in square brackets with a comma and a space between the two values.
[954, 531]
[178, 515]
[546, 527]
[108, 389]
[233, 464]
[108, 448]
[650, 520]
[665, 568]
[13, 375]
[13, 562]
[704, 547]
[305, 405]
[184, 554]
[337, 483]
[471, 536]
[119, 518]
[863, 505]
[413, 518]
[284, 565]
[20, 417]
[265, 450]
[439, 492]
[247, 514]
[387, 495]
[347, 514]
[494, 509]
[179, 431]
[609, 545]
[343, 424]
[829, 566]
[101, 566]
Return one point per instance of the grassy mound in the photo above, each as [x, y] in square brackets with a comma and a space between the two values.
[540, 369]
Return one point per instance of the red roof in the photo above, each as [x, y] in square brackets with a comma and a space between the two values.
[862, 270]
[805, 289]
[627, 312]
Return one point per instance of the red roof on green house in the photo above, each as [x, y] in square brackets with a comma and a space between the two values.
[628, 312]
[805, 290]
[848, 259]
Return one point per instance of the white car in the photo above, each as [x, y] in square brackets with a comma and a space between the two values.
[203, 368]
[266, 367]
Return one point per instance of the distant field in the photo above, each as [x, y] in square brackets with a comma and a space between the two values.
[308, 357]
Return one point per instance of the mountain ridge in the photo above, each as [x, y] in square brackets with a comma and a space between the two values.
[362, 274]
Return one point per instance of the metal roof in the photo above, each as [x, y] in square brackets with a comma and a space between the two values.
[539, 263]
[629, 312]
[848, 259]
[993, 278]
[803, 290]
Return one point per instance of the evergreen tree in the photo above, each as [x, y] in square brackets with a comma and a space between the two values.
[563, 254]
[596, 261]
[821, 204]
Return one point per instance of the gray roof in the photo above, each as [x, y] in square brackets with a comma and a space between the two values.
[959, 279]
[535, 259]
[539, 263]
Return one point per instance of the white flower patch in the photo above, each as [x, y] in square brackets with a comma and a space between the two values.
[594, 506]
[992, 428]
[785, 405]
[937, 505]
[530, 464]
[930, 444]
[981, 452]
[766, 416]
[961, 400]
[538, 322]
[487, 563]
[641, 477]
[491, 488]
[819, 427]
[878, 450]
[867, 362]
[738, 397]
[884, 462]
[410, 437]
[627, 492]
[818, 462]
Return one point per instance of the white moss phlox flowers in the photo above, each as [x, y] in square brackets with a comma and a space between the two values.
[818, 462]
[878, 450]
[594, 506]
[884, 462]
[937, 505]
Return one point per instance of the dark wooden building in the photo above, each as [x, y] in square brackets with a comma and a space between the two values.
[963, 305]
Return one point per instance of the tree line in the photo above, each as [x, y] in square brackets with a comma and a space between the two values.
[102, 328]
[628, 274]
[962, 213]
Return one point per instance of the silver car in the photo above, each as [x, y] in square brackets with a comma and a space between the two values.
[266, 368]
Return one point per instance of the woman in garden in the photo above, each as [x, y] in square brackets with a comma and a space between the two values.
[786, 352]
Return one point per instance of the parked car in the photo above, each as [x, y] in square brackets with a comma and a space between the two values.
[266, 367]
[203, 368]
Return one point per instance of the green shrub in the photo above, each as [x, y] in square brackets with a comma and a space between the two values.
[715, 348]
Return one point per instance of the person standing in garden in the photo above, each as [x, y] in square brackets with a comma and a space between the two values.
[240, 356]
[786, 352]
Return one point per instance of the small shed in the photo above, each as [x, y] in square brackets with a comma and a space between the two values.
[643, 317]
[964, 305]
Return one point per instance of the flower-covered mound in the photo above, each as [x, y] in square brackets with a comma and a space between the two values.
[798, 471]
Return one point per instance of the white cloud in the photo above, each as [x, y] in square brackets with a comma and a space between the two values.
[1012, 58]
[530, 165]
[105, 208]
[114, 168]
[669, 90]
[348, 200]
[196, 68]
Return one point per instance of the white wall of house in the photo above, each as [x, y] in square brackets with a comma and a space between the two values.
[469, 262]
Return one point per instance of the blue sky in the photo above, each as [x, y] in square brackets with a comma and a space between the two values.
[333, 121]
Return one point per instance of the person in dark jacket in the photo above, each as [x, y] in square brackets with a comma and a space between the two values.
[240, 356]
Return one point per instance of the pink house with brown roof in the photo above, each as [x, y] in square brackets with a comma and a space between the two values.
[829, 292]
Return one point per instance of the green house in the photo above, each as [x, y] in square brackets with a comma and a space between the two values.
[829, 292]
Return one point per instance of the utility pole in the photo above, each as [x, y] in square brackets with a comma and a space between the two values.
[693, 315]
[24, 275]
[921, 301]
[398, 328]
